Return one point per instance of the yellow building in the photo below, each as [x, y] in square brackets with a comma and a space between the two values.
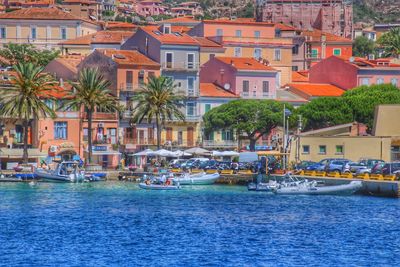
[43, 27]
[344, 141]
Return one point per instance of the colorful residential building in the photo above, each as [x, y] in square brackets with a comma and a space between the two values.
[147, 8]
[247, 38]
[127, 70]
[86, 9]
[64, 67]
[349, 72]
[187, 9]
[43, 27]
[245, 77]
[85, 45]
[211, 96]
[178, 54]
[209, 49]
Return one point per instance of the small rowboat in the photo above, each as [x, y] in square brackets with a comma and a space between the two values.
[158, 186]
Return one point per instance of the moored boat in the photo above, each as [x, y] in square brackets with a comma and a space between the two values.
[266, 187]
[66, 172]
[196, 179]
[152, 186]
[311, 188]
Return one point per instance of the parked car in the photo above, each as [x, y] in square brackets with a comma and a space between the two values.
[303, 165]
[377, 168]
[323, 164]
[364, 165]
[338, 166]
[193, 163]
[391, 168]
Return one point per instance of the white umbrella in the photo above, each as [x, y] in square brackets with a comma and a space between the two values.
[164, 153]
[198, 151]
[180, 153]
[146, 152]
[215, 153]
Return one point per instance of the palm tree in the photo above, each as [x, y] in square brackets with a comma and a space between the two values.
[23, 101]
[91, 92]
[158, 100]
[390, 42]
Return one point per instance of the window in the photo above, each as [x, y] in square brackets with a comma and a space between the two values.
[238, 52]
[278, 33]
[190, 109]
[3, 34]
[190, 61]
[63, 33]
[337, 51]
[379, 81]
[245, 88]
[257, 53]
[394, 81]
[210, 136]
[265, 88]
[207, 107]
[60, 130]
[169, 60]
[220, 32]
[295, 50]
[364, 81]
[277, 55]
[314, 53]
[322, 149]
[257, 34]
[238, 33]
[306, 149]
[141, 77]
[33, 32]
[226, 135]
[129, 80]
[295, 68]
[112, 135]
[211, 56]
[85, 134]
[339, 149]
[167, 28]
[190, 85]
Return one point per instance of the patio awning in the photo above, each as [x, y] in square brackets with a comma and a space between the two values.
[17, 153]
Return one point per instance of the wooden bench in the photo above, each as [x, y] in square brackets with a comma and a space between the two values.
[227, 172]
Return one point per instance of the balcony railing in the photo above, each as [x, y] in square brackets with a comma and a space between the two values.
[181, 66]
[219, 144]
[140, 141]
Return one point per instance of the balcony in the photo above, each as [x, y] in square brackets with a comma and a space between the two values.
[102, 116]
[180, 66]
[220, 144]
[140, 141]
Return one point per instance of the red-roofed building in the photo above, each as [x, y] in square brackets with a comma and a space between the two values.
[147, 8]
[187, 9]
[310, 91]
[245, 77]
[350, 72]
[300, 77]
[43, 27]
[181, 21]
[86, 9]
[100, 40]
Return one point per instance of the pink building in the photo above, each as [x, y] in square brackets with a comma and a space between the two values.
[245, 77]
[150, 8]
[350, 72]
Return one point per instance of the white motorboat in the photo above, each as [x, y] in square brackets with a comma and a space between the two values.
[67, 171]
[267, 187]
[310, 188]
[196, 179]
[152, 186]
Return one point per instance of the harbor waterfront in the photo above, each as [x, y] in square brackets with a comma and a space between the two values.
[115, 223]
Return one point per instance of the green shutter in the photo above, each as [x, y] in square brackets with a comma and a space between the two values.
[207, 107]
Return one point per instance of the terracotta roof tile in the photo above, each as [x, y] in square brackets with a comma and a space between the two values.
[116, 24]
[88, 2]
[205, 42]
[37, 13]
[212, 90]
[180, 29]
[360, 62]
[316, 35]
[101, 37]
[128, 57]
[284, 27]
[244, 63]
[70, 62]
[299, 77]
[169, 38]
[315, 89]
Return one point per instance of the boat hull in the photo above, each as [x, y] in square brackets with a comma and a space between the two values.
[344, 189]
[197, 179]
[265, 187]
[158, 187]
[49, 177]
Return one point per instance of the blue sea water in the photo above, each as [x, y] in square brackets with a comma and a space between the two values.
[117, 224]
